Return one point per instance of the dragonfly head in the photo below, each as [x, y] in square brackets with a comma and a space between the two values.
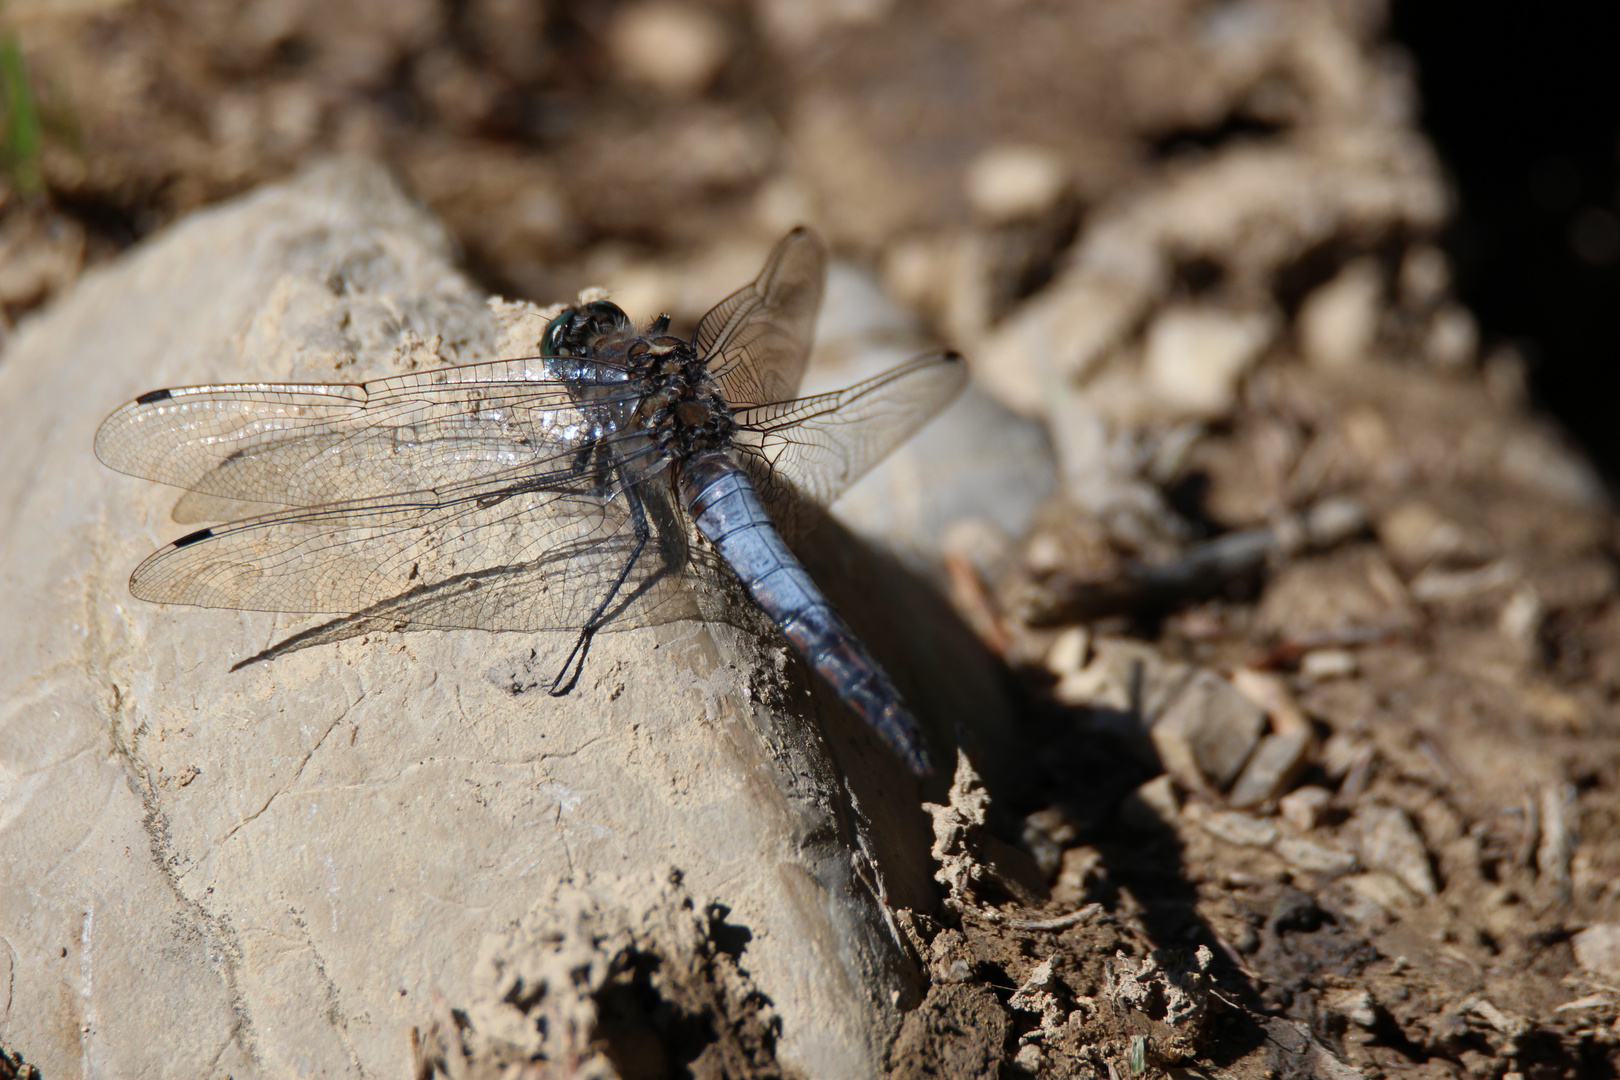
[577, 330]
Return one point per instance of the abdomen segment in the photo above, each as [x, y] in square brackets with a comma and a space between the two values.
[727, 510]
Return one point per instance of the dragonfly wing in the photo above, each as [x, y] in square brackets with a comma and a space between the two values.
[757, 340]
[256, 445]
[803, 454]
[503, 554]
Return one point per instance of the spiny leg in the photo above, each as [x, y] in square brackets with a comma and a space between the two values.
[575, 659]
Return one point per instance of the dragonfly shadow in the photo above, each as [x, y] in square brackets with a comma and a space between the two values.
[958, 687]
[1094, 762]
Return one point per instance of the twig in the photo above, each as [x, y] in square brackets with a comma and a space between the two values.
[1203, 569]
[1057, 922]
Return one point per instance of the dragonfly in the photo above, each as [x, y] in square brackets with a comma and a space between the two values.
[546, 494]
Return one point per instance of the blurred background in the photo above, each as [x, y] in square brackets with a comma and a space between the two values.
[1290, 324]
[568, 143]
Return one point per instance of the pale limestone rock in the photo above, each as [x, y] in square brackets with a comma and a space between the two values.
[673, 47]
[1315, 858]
[1304, 807]
[1014, 180]
[1195, 356]
[1390, 843]
[274, 871]
[1597, 949]
[1339, 321]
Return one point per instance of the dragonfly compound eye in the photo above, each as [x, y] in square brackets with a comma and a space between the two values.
[577, 329]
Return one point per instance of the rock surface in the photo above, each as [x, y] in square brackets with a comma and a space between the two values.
[278, 871]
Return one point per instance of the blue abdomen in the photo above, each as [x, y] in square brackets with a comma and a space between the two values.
[727, 510]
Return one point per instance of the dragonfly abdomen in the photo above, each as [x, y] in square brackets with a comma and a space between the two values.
[727, 510]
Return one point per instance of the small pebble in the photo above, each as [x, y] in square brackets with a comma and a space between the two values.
[1339, 321]
[673, 47]
[1319, 664]
[1453, 337]
[1303, 808]
[1390, 842]
[1152, 806]
[1240, 829]
[1597, 949]
[1014, 181]
[1195, 357]
[1315, 858]
[1424, 276]
[1273, 766]
[1029, 1058]
[1356, 1006]
[1380, 889]
[1069, 652]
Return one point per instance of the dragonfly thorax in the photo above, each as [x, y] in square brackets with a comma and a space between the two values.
[681, 405]
[683, 409]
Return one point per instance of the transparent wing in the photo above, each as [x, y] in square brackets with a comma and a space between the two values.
[803, 454]
[756, 341]
[247, 446]
[511, 552]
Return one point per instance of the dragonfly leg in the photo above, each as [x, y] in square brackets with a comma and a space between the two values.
[575, 661]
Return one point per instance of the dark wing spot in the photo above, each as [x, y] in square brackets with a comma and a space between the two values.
[153, 395]
[192, 538]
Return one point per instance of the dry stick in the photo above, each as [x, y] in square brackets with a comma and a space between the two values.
[1057, 922]
[1552, 857]
[1203, 569]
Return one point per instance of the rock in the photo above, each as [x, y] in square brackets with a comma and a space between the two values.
[976, 459]
[1319, 664]
[1424, 277]
[1573, 581]
[1069, 652]
[1540, 460]
[1315, 858]
[1437, 586]
[1210, 725]
[1382, 890]
[1082, 868]
[1240, 829]
[1029, 1058]
[1597, 949]
[1195, 356]
[1356, 1006]
[275, 870]
[1152, 806]
[1350, 591]
[1452, 340]
[1282, 754]
[1415, 534]
[1520, 619]
[1015, 180]
[673, 47]
[1187, 719]
[1389, 842]
[1061, 333]
[1339, 321]
[1303, 807]
[1272, 767]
